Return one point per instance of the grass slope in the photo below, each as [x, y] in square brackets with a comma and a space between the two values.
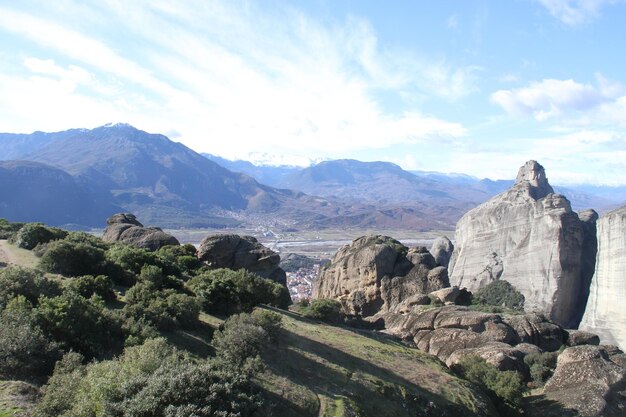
[321, 370]
[12, 255]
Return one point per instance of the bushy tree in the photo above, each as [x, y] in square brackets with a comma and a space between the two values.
[148, 380]
[72, 259]
[27, 282]
[505, 388]
[32, 234]
[224, 291]
[324, 309]
[25, 352]
[541, 366]
[164, 308]
[183, 256]
[8, 229]
[82, 324]
[89, 285]
[130, 258]
[500, 293]
[245, 336]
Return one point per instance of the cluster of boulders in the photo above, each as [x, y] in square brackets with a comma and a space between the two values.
[216, 251]
[124, 227]
[378, 273]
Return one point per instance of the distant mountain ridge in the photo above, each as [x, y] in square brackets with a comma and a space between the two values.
[118, 167]
[385, 182]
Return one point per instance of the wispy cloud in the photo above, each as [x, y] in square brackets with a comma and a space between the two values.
[575, 12]
[228, 77]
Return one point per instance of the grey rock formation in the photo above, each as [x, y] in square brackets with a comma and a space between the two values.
[531, 237]
[441, 250]
[533, 328]
[124, 227]
[588, 381]
[581, 337]
[605, 313]
[378, 273]
[503, 356]
[236, 252]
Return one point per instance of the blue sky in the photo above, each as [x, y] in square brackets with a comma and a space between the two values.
[476, 87]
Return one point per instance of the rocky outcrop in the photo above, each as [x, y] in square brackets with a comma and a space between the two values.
[605, 314]
[237, 252]
[589, 382]
[534, 329]
[124, 227]
[378, 273]
[441, 250]
[580, 337]
[529, 236]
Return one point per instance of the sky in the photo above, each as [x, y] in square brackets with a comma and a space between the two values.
[475, 87]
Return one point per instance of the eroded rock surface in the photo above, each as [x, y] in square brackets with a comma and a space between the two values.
[378, 273]
[441, 250]
[124, 227]
[236, 252]
[588, 381]
[605, 313]
[529, 236]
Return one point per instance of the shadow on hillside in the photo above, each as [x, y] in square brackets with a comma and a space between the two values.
[332, 372]
[540, 406]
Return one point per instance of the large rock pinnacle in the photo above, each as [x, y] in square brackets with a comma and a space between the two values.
[529, 236]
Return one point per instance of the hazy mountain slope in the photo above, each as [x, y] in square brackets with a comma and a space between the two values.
[270, 175]
[381, 182]
[33, 191]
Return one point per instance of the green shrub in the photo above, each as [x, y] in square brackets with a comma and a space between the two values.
[163, 308]
[541, 366]
[30, 283]
[500, 293]
[146, 381]
[82, 324]
[224, 291]
[505, 388]
[130, 258]
[89, 285]
[183, 256]
[32, 234]
[244, 337]
[324, 309]
[8, 229]
[72, 258]
[25, 351]
[63, 386]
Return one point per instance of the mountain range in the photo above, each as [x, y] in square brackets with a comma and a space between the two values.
[80, 176]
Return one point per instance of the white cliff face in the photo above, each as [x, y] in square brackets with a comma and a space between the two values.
[605, 314]
[530, 237]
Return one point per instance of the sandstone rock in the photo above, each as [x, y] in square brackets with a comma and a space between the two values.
[441, 250]
[527, 348]
[444, 295]
[501, 355]
[237, 252]
[531, 237]
[580, 337]
[589, 382]
[533, 328]
[124, 227]
[605, 313]
[377, 273]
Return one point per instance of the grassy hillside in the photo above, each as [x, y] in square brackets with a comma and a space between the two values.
[321, 370]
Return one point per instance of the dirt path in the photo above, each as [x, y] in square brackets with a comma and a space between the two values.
[11, 255]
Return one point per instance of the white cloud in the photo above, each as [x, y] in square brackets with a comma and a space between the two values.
[575, 12]
[552, 99]
[228, 77]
